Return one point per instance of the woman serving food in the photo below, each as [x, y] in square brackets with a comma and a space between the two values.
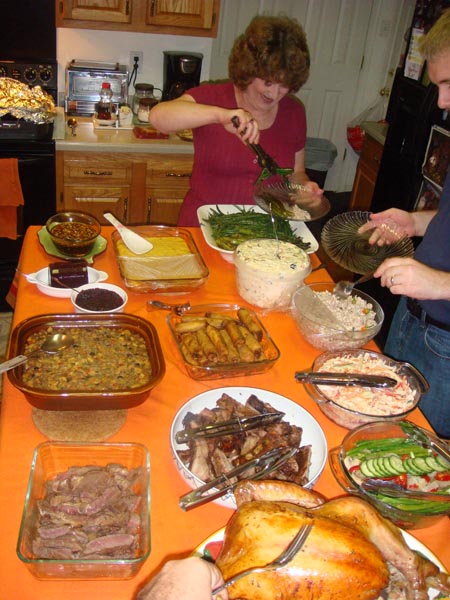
[268, 62]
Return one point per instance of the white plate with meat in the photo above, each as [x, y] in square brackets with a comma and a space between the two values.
[203, 212]
[210, 548]
[200, 462]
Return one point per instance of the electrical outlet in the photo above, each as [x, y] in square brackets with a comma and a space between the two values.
[136, 56]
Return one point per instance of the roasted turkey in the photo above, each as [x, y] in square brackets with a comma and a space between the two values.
[352, 552]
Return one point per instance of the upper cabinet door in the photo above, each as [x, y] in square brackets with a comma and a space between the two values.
[181, 13]
[110, 11]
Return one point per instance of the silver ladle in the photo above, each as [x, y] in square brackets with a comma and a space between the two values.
[51, 345]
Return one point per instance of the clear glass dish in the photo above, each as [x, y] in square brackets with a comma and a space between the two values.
[351, 250]
[218, 370]
[175, 267]
[52, 458]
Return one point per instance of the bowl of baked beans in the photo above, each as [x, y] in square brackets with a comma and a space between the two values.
[73, 233]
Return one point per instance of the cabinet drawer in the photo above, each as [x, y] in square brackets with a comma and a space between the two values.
[169, 172]
[371, 154]
[99, 171]
[97, 201]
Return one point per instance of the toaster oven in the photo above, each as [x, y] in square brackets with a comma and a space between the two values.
[83, 83]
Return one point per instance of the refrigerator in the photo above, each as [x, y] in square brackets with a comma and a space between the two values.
[415, 123]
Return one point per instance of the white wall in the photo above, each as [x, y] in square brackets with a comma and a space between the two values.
[109, 46]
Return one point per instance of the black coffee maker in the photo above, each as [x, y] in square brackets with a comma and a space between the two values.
[181, 72]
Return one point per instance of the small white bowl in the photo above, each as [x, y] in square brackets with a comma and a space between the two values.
[102, 286]
[42, 281]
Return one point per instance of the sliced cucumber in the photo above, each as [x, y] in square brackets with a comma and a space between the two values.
[444, 463]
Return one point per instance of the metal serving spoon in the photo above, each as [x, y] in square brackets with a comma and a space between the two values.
[343, 288]
[51, 345]
[132, 240]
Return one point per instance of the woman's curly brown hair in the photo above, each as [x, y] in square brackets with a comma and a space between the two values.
[273, 49]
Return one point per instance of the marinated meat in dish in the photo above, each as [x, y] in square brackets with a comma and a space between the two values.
[352, 552]
[89, 512]
[209, 458]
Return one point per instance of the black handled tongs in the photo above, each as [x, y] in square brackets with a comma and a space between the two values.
[225, 483]
[229, 427]
[268, 165]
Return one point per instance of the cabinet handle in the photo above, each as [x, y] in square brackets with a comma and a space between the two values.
[96, 199]
[178, 174]
[97, 173]
[152, 9]
[376, 159]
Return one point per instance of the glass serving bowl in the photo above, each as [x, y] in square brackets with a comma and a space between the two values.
[408, 511]
[73, 233]
[325, 335]
[384, 405]
[351, 250]
[53, 458]
[228, 366]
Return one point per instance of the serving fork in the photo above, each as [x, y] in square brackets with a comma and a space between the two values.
[283, 559]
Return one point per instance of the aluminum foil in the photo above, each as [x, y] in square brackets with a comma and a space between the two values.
[20, 101]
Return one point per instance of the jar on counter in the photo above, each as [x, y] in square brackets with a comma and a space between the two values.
[142, 90]
[145, 106]
[268, 272]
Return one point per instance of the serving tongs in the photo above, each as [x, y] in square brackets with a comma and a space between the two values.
[269, 461]
[426, 439]
[178, 309]
[268, 165]
[347, 379]
[229, 427]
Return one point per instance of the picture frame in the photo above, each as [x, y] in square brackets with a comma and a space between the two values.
[428, 197]
[437, 157]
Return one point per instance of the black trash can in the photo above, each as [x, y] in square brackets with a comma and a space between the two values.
[319, 158]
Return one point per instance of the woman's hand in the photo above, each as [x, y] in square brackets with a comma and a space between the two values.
[412, 278]
[241, 123]
[190, 579]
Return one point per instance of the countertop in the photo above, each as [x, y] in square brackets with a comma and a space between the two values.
[89, 138]
[376, 130]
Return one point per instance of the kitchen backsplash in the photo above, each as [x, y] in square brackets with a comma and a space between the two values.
[109, 46]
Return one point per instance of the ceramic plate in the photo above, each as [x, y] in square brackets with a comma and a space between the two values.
[217, 538]
[298, 227]
[352, 251]
[41, 280]
[50, 248]
[294, 414]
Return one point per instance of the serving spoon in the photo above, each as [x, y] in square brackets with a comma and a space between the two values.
[51, 345]
[134, 242]
[344, 288]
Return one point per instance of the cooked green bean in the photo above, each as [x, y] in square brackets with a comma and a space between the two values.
[230, 229]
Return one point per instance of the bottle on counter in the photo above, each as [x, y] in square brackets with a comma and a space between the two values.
[104, 106]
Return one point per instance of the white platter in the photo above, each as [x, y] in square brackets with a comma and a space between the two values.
[412, 542]
[298, 227]
[41, 280]
[296, 415]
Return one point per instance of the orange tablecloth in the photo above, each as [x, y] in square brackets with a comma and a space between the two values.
[174, 532]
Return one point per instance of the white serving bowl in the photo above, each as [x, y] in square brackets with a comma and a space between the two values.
[296, 415]
[103, 286]
[42, 281]
[298, 227]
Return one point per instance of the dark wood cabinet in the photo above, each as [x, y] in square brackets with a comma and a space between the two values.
[366, 174]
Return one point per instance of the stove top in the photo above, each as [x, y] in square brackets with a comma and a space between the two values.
[44, 74]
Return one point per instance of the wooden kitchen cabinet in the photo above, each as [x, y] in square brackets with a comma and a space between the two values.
[138, 188]
[366, 174]
[188, 17]
[167, 182]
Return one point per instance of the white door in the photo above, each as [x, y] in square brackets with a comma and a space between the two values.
[351, 44]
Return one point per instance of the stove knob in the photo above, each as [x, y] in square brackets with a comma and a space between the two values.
[45, 74]
[30, 74]
[2, 72]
